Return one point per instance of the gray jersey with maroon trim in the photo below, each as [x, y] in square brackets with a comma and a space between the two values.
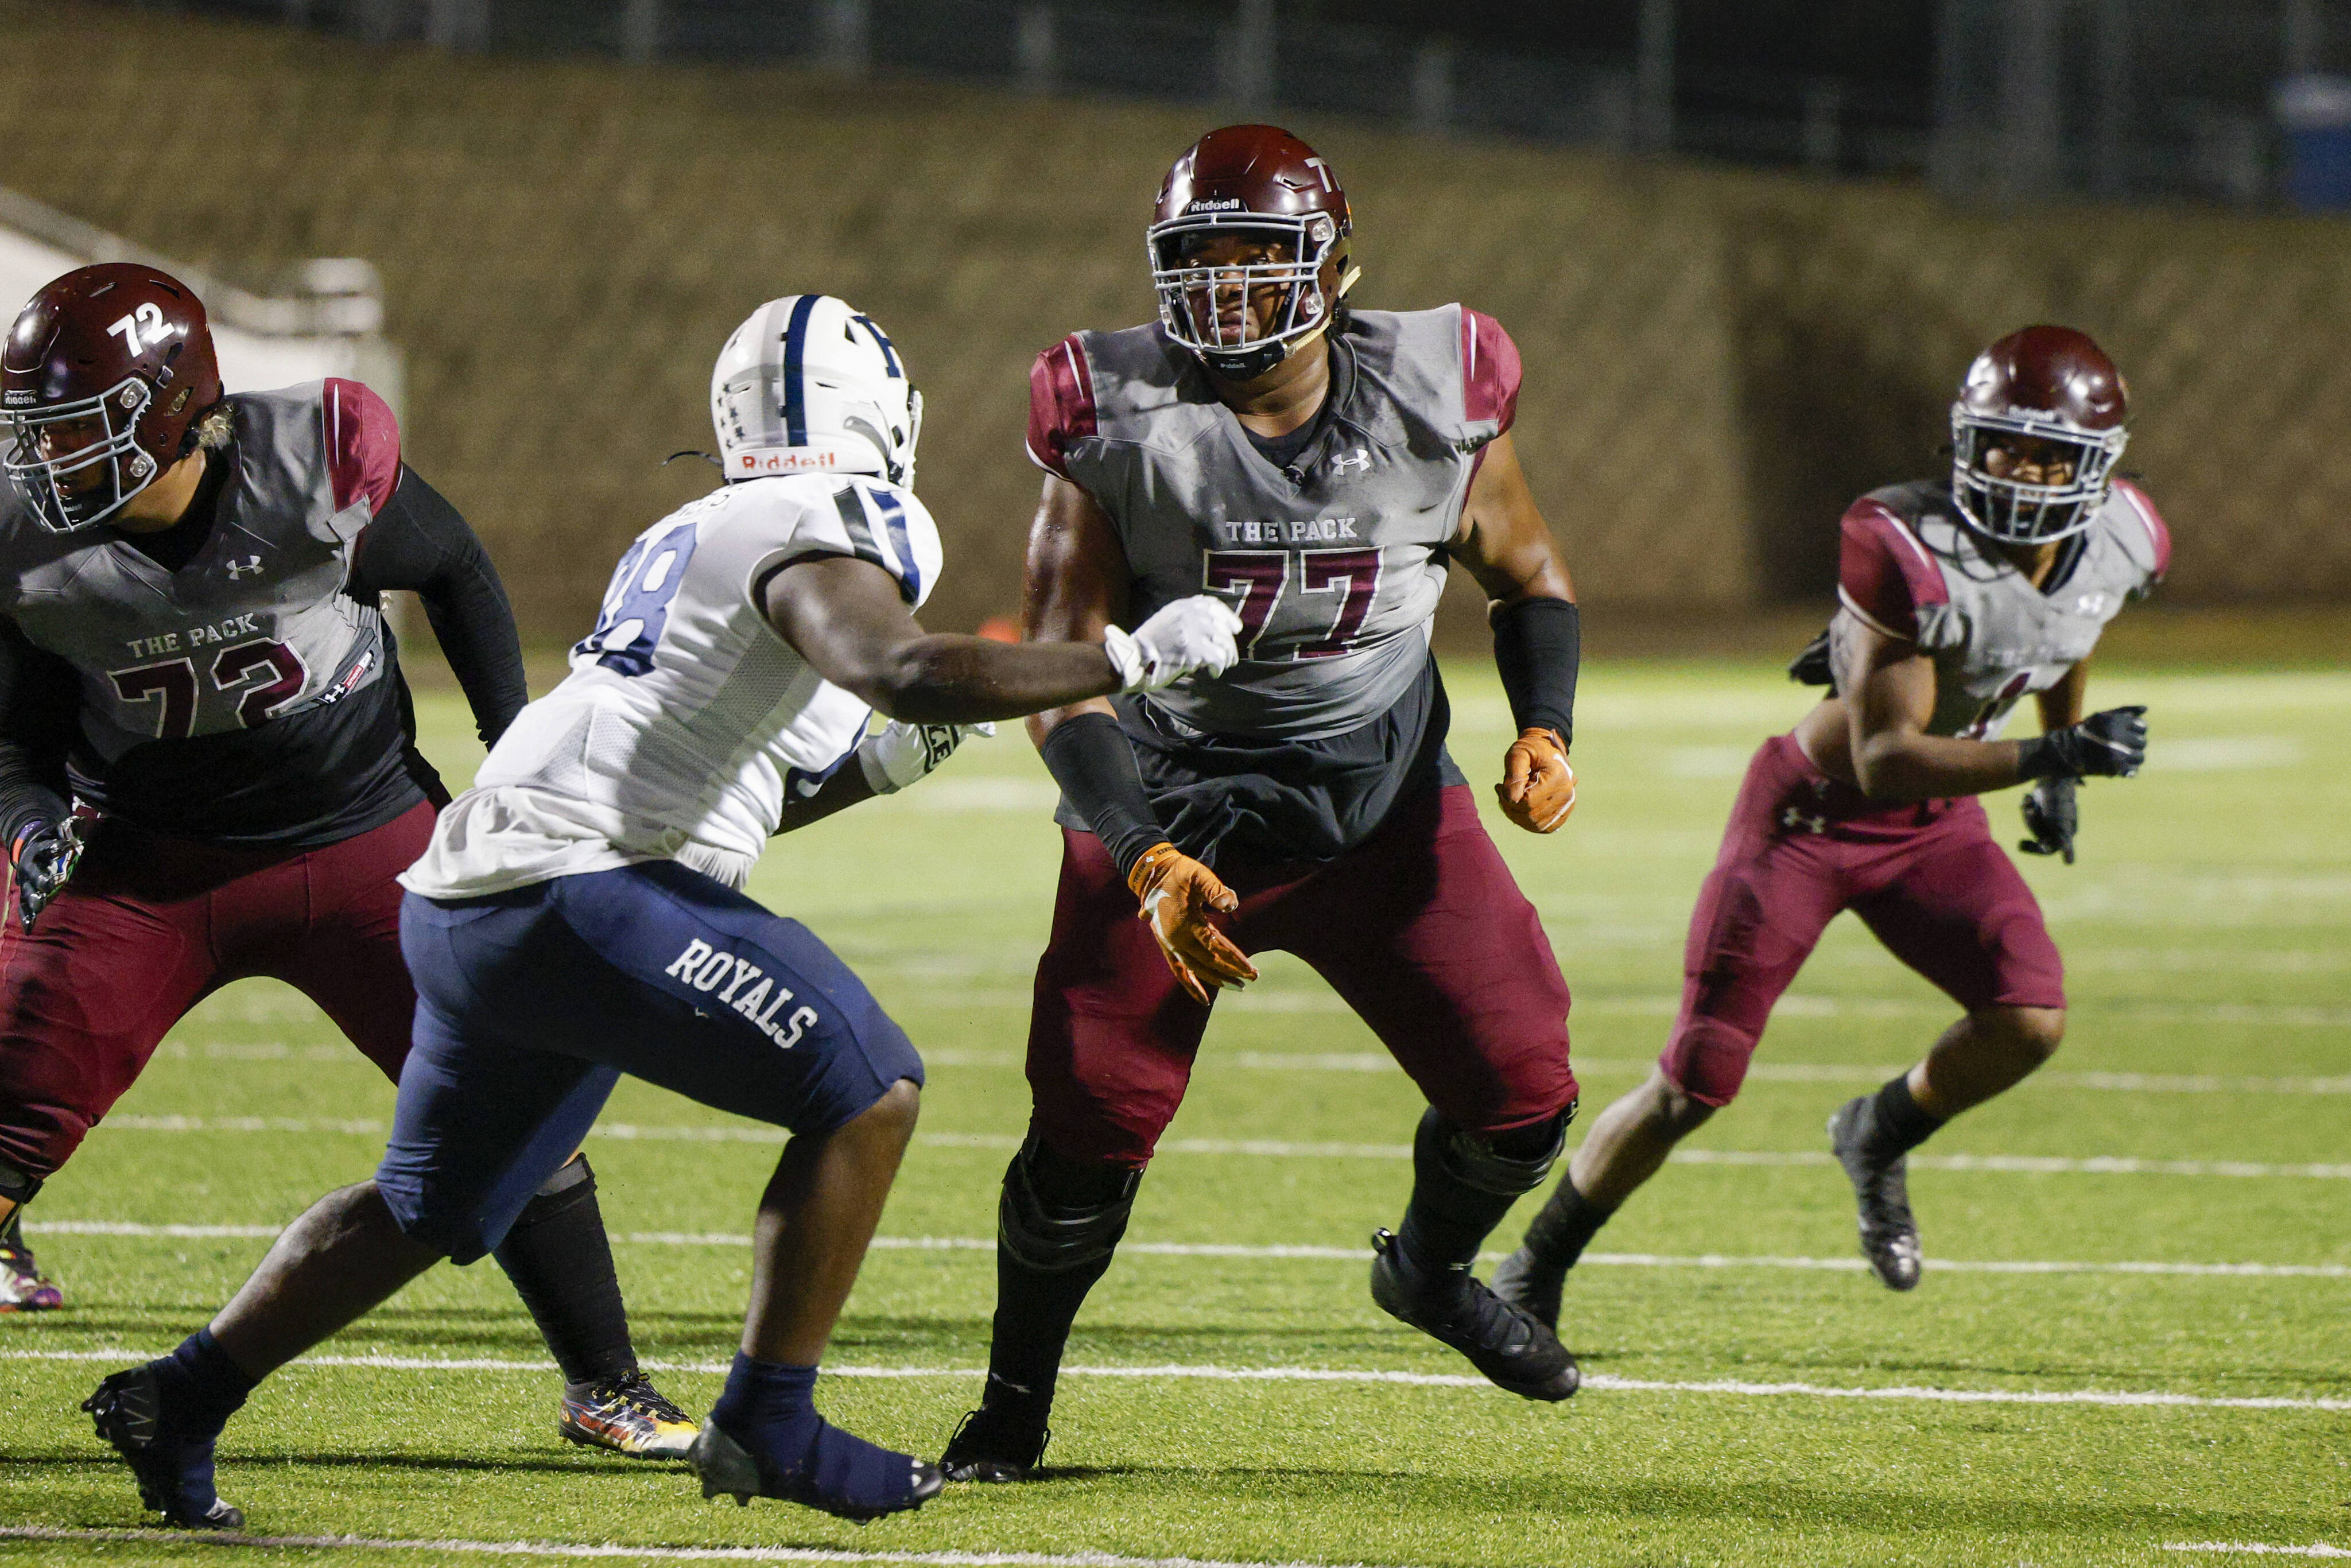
[1909, 567]
[1335, 563]
[255, 627]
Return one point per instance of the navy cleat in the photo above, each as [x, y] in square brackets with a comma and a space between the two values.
[841, 1475]
[1003, 1440]
[174, 1469]
[1506, 1343]
[1524, 1282]
[1889, 1236]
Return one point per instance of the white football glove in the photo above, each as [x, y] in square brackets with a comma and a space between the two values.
[897, 754]
[1190, 635]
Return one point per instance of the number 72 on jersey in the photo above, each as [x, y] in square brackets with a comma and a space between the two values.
[1314, 600]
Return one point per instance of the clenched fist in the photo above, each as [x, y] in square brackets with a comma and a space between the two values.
[1538, 787]
[1178, 894]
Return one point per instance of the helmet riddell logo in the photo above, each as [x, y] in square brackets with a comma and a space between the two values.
[780, 462]
[1221, 204]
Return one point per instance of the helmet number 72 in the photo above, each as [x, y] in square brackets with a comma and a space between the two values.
[148, 318]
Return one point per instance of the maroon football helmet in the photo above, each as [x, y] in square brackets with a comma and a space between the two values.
[1261, 182]
[2050, 385]
[103, 379]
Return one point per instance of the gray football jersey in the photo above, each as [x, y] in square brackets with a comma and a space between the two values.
[1335, 563]
[1910, 568]
[254, 627]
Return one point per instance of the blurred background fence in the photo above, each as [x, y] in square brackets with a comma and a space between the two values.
[1718, 358]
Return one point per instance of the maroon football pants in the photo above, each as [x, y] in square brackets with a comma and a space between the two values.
[1420, 929]
[149, 927]
[1926, 877]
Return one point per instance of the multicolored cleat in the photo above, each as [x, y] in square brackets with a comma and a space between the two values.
[23, 1287]
[174, 1472]
[628, 1416]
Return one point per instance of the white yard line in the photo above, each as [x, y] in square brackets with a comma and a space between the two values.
[1274, 1148]
[2257, 1549]
[633, 1554]
[1600, 1382]
[1302, 1250]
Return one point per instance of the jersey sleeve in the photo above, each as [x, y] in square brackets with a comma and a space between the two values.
[877, 523]
[1489, 371]
[1884, 574]
[2154, 554]
[363, 444]
[1061, 405]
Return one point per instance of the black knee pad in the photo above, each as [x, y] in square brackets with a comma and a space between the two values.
[17, 1186]
[1059, 1214]
[573, 1185]
[1503, 1164]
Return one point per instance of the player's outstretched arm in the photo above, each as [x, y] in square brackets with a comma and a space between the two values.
[1890, 697]
[1508, 548]
[419, 542]
[846, 618]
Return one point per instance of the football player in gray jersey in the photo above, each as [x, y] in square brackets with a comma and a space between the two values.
[1959, 600]
[1318, 466]
[194, 577]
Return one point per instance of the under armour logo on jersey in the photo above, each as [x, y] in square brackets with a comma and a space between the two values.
[1794, 817]
[249, 567]
[1358, 458]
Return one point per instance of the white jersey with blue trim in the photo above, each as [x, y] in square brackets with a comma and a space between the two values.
[686, 719]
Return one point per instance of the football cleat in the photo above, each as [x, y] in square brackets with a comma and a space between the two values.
[23, 1287]
[1506, 1343]
[1534, 1287]
[839, 1474]
[1889, 1236]
[627, 1414]
[996, 1443]
[174, 1472]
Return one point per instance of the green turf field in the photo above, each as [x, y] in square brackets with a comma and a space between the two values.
[2165, 1215]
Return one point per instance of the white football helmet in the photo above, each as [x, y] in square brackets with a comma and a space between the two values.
[808, 385]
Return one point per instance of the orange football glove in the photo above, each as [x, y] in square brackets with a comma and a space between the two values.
[1538, 787]
[1178, 894]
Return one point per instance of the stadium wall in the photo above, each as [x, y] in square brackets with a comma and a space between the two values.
[1717, 361]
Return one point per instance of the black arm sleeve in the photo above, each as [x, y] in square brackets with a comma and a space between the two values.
[31, 749]
[1092, 761]
[1538, 642]
[419, 542]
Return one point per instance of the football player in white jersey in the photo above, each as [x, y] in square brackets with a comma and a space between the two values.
[578, 914]
[1959, 599]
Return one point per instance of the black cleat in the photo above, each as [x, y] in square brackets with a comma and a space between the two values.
[1532, 1286]
[175, 1473]
[998, 1442]
[1889, 1236]
[839, 1474]
[1504, 1342]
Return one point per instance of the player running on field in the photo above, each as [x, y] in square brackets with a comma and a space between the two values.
[199, 573]
[1317, 465]
[578, 914]
[1959, 599]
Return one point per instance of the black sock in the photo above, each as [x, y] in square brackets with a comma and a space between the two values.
[562, 1265]
[1450, 1213]
[1897, 1125]
[1565, 1226]
[12, 1232]
[200, 1386]
[1071, 1214]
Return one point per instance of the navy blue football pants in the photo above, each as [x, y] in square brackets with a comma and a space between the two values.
[531, 1003]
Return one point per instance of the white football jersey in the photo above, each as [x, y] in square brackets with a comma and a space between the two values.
[686, 719]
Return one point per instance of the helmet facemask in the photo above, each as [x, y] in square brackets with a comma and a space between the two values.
[89, 480]
[2015, 512]
[1191, 291]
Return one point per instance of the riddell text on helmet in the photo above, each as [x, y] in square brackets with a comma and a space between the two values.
[778, 461]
